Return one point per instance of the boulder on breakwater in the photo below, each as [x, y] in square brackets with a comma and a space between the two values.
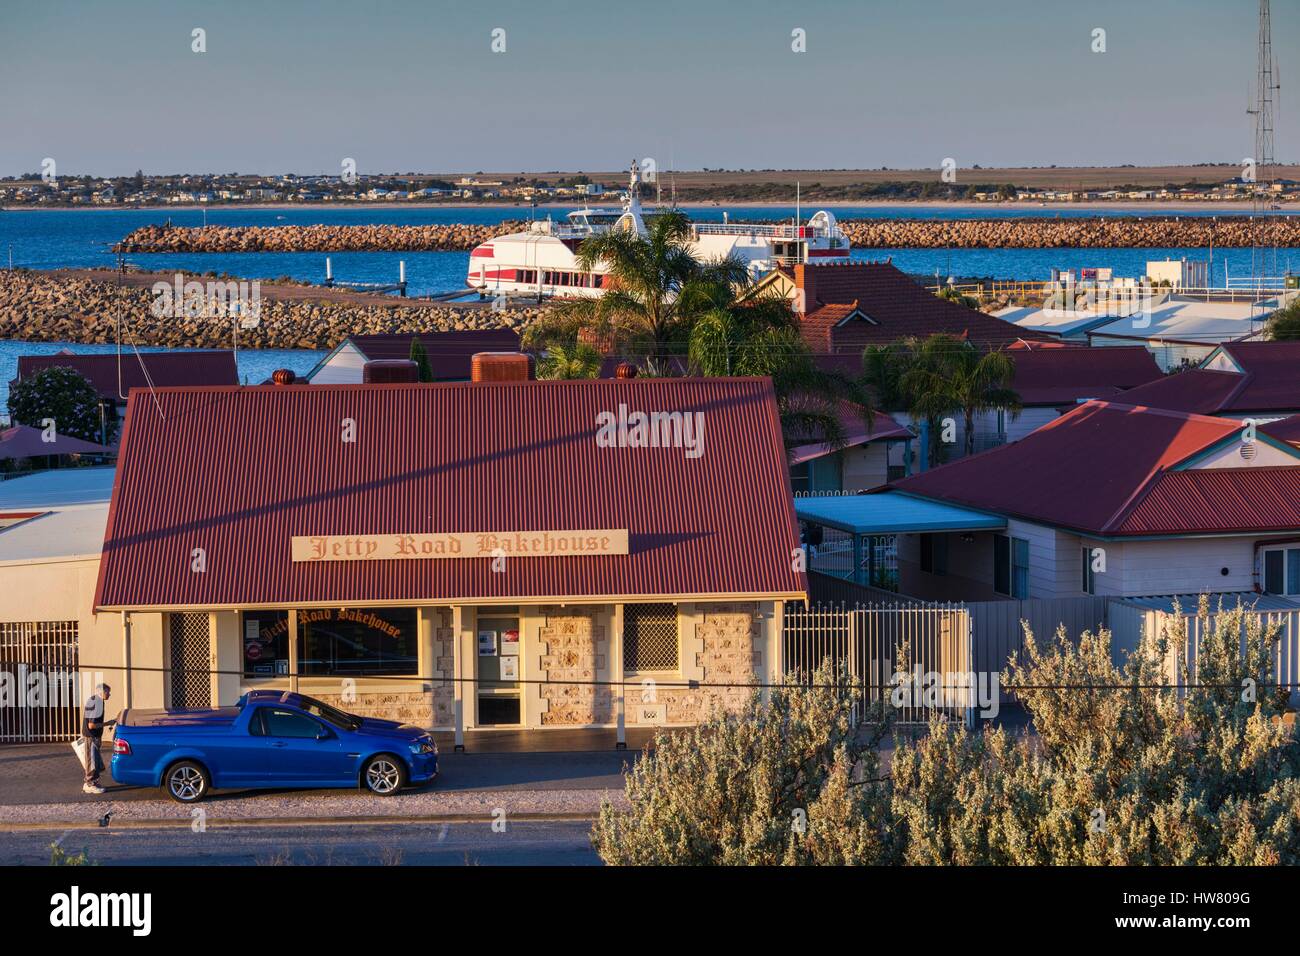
[84, 307]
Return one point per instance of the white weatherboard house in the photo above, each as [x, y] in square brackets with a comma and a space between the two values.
[1109, 499]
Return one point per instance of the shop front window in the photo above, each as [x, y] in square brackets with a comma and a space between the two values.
[266, 643]
[358, 641]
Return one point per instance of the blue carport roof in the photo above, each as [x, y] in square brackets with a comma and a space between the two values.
[891, 512]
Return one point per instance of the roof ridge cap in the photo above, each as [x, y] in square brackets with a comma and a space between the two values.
[1246, 378]
[1166, 412]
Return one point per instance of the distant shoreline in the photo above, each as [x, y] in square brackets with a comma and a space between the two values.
[1239, 208]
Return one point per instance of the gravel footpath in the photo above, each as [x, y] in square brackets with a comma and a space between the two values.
[331, 807]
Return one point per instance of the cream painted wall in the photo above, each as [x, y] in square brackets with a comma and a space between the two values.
[1265, 454]
[1133, 568]
[64, 590]
[865, 466]
[227, 654]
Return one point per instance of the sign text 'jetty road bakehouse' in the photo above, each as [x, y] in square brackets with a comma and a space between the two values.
[521, 544]
[472, 556]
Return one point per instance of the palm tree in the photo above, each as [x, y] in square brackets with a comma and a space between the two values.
[760, 336]
[655, 287]
[569, 361]
[947, 374]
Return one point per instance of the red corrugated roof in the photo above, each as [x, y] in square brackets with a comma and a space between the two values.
[1284, 429]
[1210, 500]
[238, 472]
[1085, 470]
[1269, 382]
[896, 305]
[449, 352]
[1198, 391]
[883, 427]
[1057, 376]
[1273, 370]
[23, 441]
[165, 368]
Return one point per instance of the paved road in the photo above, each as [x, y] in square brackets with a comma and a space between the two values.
[456, 844]
[49, 773]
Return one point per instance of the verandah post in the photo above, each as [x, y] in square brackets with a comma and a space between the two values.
[616, 675]
[457, 668]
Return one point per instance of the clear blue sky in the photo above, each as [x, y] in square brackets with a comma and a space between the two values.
[288, 86]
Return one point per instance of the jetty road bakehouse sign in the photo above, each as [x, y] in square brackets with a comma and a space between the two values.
[485, 544]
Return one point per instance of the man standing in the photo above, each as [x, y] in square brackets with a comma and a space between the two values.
[92, 732]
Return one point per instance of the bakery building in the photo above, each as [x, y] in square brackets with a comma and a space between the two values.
[463, 555]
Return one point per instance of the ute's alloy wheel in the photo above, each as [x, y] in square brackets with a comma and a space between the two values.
[187, 782]
[384, 775]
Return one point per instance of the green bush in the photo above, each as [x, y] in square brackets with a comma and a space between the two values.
[61, 393]
[1284, 324]
[1123, 768]
[767, 785]
[1123, 774]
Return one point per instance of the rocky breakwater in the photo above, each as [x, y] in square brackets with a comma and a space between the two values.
[1093, 232]
[1101, 232]
[448, 237]
[84, 306]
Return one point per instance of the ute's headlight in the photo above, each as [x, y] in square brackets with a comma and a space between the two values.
[426, 746]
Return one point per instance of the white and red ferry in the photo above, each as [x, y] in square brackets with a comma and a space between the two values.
[543, 261]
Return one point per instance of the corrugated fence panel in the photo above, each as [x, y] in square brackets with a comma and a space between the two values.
[998, 632]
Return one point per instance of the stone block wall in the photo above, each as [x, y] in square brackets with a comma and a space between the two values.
[409, 707]
[721, 643]
[573, 646]
[444, 665]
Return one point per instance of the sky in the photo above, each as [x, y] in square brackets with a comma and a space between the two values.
[402, 85]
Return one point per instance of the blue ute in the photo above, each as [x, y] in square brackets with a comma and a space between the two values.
[269, 739]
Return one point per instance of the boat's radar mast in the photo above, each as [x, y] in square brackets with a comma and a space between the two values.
[631, 220]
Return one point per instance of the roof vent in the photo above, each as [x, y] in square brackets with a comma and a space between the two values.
[389, 371]
[283, 376]
[1247, 450]
[501, 367]
[625, 370]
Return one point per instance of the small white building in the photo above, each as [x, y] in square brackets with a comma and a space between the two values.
[1111, 499]
[1178, 330]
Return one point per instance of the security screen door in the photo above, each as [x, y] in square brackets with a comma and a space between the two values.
[191, 683]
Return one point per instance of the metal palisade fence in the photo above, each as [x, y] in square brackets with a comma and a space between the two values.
[917, 659]
[40, 681]
[1130, 621]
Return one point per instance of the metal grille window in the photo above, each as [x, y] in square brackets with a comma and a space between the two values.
[650, 637]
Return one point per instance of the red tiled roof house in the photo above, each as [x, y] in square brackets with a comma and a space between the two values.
[1115, 499]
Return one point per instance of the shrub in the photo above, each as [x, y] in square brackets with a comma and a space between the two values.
[1284, 324]
[1126, 773]
[1126, 766]
[789, 781]
[61, 393]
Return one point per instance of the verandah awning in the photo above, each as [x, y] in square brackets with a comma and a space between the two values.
[892, 512]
